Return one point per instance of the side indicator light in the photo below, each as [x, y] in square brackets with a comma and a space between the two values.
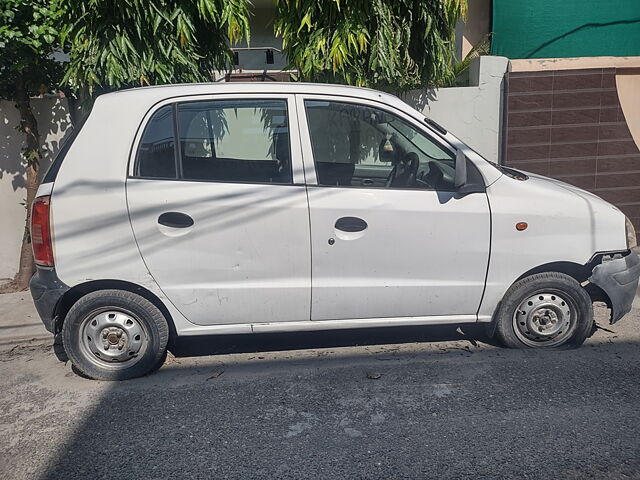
[520, 226]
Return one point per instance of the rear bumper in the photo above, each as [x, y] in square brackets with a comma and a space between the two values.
[618, 277]
[46, 290]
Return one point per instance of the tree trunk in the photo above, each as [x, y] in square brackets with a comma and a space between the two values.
[32, 155]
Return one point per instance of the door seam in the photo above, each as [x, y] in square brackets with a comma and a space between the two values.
[486, 276]
[306, 189]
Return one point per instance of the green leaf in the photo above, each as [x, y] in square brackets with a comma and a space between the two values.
[123, 43]
[305, 22]
[388, 44]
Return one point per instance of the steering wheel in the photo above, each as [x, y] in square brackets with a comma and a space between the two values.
[435, 177]
[403, 174]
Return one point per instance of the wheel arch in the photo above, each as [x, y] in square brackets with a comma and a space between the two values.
[580, 273]
[76, 292]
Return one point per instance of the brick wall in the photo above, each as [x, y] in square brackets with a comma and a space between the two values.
[568, 124]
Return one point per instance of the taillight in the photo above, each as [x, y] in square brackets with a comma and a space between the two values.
[41, 232]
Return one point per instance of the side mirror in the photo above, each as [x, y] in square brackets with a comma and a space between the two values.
[461, 170]
[470, 188]
[464, 185]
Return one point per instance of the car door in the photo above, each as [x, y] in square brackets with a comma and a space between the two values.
[402, 245]
[221, 214]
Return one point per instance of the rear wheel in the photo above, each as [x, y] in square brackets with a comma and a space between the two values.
[114, 335]
[543, 311]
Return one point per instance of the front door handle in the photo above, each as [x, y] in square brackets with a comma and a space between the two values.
[351, 224]
[175, 220]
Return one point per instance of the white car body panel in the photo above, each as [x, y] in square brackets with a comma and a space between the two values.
[565, 225]
[423, 253]
[94, 238]
[92, 235]
[310, 326]
[246, 256]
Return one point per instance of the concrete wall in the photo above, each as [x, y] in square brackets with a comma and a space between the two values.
[53, 120]
[473, 113]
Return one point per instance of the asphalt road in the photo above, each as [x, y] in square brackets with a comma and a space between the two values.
[409, 403]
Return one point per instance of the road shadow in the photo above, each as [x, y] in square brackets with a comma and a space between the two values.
[270, 342]
[451, 414]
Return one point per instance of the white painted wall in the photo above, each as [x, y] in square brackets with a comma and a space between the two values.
[473, 113]
[53, 120]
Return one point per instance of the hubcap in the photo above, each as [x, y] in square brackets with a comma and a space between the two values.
[113, 338]
[544, 319]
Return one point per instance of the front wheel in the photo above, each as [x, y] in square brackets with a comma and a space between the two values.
[545, 310]
[114, 335]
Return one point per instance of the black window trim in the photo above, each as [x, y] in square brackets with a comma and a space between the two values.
[174, 103]
[177, 147]
[143, 129]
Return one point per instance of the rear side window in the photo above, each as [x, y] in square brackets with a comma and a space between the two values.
[235, 141]
[156, 153]
[223, 141]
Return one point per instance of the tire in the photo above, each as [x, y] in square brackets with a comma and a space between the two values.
[545, 310]
[115, 335]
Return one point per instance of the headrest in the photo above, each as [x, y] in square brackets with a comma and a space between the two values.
[281, 144]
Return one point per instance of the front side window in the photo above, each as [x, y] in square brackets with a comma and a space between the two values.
[235, 141]
[361, 146]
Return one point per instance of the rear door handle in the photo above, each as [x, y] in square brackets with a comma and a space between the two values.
[351, 224]
[175, 220]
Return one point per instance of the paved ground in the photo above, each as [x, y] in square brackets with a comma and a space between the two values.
[414, 403]
[19, 320]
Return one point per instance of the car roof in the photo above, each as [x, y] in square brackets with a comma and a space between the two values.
[153, 94]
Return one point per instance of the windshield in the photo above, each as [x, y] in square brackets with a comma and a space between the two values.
[424, 145]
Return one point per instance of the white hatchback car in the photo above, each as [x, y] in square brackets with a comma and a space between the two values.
[241, 208]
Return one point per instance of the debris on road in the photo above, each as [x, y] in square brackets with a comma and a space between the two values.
[598, 327]
[216, 374]
[35, 346]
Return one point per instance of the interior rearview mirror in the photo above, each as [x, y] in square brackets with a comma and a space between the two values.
[461, 169]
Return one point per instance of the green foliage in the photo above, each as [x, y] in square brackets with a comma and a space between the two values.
[461, 68]
[28, 38]
[127, 43]
[387, 44]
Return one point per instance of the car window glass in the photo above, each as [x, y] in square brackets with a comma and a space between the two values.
[156, 157]
[360, 146]
[235, 141]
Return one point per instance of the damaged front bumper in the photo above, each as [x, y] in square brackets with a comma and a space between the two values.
[618, 277]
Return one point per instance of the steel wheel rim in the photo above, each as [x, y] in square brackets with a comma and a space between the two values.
[545, 319]
[113, 338]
